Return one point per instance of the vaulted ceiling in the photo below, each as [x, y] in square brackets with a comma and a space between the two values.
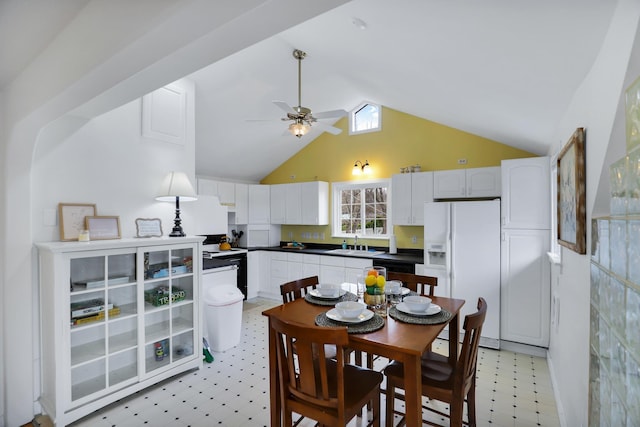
[502, 69]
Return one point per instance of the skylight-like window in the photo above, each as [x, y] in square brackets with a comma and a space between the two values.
[367, 117]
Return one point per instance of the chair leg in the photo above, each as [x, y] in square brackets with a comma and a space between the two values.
[471, 405]
[375, 406]
[455, 414]
[389, 407]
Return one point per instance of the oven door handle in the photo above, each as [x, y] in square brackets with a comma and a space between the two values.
[219, 269]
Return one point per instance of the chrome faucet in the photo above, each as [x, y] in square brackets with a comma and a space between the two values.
[355, 243]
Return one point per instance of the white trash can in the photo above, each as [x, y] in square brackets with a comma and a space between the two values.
[223, 314]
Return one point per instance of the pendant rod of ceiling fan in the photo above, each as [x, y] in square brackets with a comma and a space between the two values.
[299, 55]
[299, 82]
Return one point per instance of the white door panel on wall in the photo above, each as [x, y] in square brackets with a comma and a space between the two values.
[525, 290]
[526, 193]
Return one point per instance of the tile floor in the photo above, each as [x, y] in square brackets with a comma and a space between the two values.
[512, 389]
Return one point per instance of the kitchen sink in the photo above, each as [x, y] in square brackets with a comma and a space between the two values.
[355, 252]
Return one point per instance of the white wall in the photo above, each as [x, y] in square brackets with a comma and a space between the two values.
[597, 106]
[108, 162]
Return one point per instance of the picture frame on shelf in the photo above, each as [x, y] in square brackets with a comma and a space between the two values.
[572, 215]
[148, 227]
[103, 227]
[71, 218]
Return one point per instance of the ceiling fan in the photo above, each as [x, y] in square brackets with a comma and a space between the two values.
[302, 117]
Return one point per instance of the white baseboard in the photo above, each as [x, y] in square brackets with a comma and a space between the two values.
[516, 347]
[554, 385]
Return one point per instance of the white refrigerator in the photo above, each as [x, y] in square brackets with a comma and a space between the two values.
[462, 248]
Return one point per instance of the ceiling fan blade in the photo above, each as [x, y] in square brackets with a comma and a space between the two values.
[327, 128]
[333, 114]
[284, 106]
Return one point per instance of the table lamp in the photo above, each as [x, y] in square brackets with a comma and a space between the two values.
[176, 186]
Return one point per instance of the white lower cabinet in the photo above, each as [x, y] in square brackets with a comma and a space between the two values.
[525, 289]
[282, 267]
[342, 269]
[116, 316]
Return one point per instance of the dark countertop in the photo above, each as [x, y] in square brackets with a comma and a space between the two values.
[404, 256]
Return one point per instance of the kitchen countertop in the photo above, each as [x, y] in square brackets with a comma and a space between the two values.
[404, 256]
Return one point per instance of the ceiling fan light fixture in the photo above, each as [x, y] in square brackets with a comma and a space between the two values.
[299, 129]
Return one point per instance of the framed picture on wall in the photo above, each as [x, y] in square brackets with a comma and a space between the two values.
[71, 217]
[572, 215]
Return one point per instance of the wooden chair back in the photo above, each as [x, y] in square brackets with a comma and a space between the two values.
[422, 285]
[315, 386]
[297, 288]
[443, 381]
[465, 371]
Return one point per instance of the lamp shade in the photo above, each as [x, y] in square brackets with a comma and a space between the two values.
[176, 184]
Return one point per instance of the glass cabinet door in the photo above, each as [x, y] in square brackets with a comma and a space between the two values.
[103, 322]
[168, 307]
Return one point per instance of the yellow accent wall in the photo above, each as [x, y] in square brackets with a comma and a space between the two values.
[404, 140]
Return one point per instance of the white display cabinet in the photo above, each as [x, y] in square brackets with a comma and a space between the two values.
[116, 316]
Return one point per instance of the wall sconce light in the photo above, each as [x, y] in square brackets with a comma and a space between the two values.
[299, 128]
[177, 186]
[360, 168]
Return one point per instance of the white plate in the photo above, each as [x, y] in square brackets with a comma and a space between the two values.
[316, 294]
[405, 291]
[334, 315]
[433, 309]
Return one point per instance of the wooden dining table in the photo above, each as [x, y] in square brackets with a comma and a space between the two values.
[396, 340]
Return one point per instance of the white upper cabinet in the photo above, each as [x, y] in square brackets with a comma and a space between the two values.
[305, 203]
[467, 183]
[242, 204]
[259, 204]
[223, 190]
[410, 191]
[278, 204]
[526, 193]
[227, 193]
[293, 204]
[315, 203]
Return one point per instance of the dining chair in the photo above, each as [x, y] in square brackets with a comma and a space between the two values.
[415, 282]
[329, 391]
[443, 381]
[295, 289]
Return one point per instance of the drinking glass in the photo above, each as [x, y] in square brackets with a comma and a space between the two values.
[360, 286]
[393, 291]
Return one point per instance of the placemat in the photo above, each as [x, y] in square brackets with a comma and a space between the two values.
[434, 319]
[373, 324]
[330, 302]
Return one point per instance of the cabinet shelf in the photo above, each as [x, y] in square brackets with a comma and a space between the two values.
[125, 373]
[123, 341]
[156, 332]
[87, 387]
[88, 352]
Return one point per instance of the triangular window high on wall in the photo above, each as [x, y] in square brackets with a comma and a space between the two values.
[367, 117]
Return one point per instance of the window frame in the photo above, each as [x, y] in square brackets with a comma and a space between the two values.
[352, 119]
[336, 208]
